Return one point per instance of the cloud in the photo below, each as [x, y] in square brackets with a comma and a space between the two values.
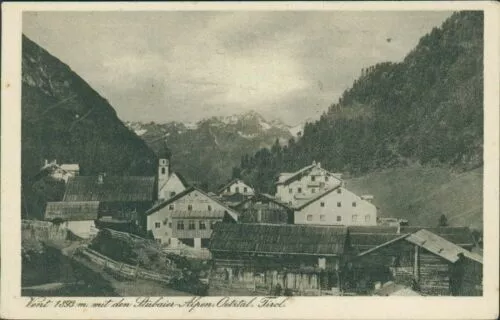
[185, 66]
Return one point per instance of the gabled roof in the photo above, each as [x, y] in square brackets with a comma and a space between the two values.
[461, 236]
[72, 211]
[165, 203]
[279, 239]
[316, 198]
[113, 188]
[230, 183]
[440, 246]
[430, 242]
[296, 175]
[263, 196]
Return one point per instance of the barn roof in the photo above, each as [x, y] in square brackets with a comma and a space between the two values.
[461, 236]
[72, 211]
[296, 175]
[440, 246]
[279, 239]
[113, 188]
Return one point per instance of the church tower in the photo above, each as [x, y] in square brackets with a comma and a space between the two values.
[163, 170]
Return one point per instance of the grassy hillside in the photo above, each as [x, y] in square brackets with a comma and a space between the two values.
[422, 194]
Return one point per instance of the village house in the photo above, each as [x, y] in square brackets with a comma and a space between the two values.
[236, 186]
[422, 260]
[335, 206]
[305, 183]
[188, 218]
[59, 171]
[78, 217]
[263, 259]
[263, 208]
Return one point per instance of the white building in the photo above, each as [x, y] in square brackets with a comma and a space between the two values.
[236, 186]
[335, 206]
[77, 216]
[60, 172]
[305, 183]
[187, 217]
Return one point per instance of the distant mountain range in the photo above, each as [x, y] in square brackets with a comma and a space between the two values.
[206, 151]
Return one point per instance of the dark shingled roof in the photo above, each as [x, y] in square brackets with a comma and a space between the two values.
[263, 197]
[461, 236]
[72, 211]
[279, 239]
[113, 188]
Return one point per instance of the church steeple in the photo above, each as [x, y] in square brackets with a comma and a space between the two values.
[163, 169]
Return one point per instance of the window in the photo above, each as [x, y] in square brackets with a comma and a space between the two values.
[209, 208]
[326, 178]
[313, 190]
[237, 189]
[322, 204]
[245, 189]
[354, 203]
[180, 225]
[339, 204]
[190, 207]
[339, 218]
[157, 225]
[228, 190]
[165, 222]
[354, 218]
[171, 207]
[367, 218]
[191, 225]
[212, 224]
[313, 178]
[309, 217]
[290, 190]
[339, 191]
[172, 193]
[299, 190]
[322, 217]
[170, 225]
[202, 225]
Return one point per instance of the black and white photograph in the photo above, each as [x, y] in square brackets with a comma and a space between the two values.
[251, 153]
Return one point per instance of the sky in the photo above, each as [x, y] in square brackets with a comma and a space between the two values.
[186, 66]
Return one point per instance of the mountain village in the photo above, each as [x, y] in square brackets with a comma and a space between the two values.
[312, 237]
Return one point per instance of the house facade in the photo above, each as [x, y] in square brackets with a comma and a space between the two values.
[236, 186]
[263, 208]
[78, 217]
[264, 259]
[187, 218]
[305, 183]
[336, 206]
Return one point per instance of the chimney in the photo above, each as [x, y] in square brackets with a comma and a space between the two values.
[100, 178]
[319, 165]
[46, 162]
[399, 228]
[314, 162]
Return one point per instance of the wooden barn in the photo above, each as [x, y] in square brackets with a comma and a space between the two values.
[77, 217]
[422, 260]
[253, 259]
[122, 198]
[263, 208]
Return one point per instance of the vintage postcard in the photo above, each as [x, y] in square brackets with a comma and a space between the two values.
[285, 160]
